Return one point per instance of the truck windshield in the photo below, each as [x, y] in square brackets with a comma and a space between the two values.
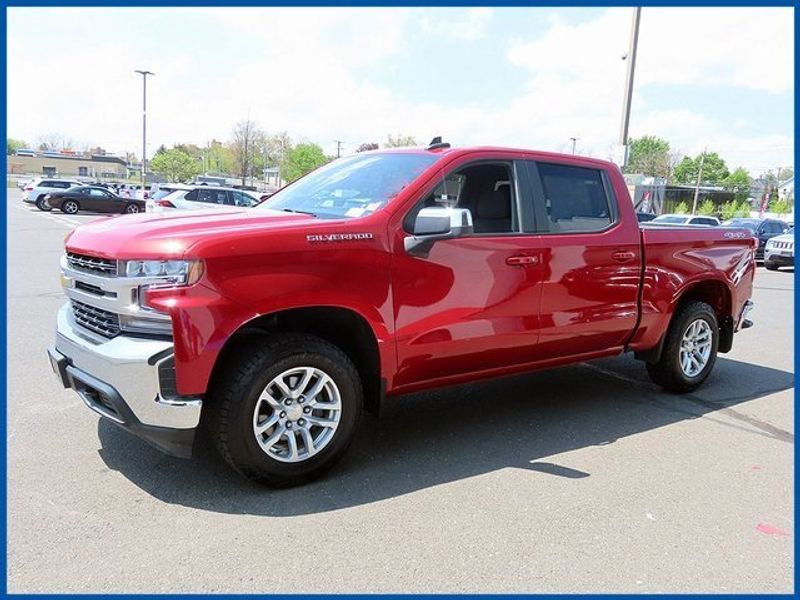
[350, 187]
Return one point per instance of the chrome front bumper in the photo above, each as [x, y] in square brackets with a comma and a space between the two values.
[118, 378]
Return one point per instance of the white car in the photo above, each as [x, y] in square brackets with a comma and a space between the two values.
[779, 251]
[685, 220]
[35, 191]
[203, 197]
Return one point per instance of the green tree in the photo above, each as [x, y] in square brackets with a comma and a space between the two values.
[649, 155]
[400, 141]
[779, 206]
[707, 207]
[300, 160]
[681, 209]
[220, 158]
[12, 145]
[175, 165]
[732, 209]
[715, 171]
[247, 144]
[738, 181]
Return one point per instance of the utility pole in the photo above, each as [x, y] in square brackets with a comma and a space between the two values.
[144, 75]
[699, 179]
[338, 148]
[626, 101]
[574, 140]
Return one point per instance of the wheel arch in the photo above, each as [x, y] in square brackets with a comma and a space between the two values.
[343, 327]
[713, 291]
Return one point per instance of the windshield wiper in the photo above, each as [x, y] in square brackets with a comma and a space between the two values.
[300, 212]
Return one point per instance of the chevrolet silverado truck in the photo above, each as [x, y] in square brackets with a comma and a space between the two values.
[378, 274]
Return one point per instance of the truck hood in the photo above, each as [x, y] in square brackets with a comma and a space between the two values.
[170, 234]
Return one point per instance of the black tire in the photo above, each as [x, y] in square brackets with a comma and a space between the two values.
[132, 209]
[667, 372]
[42, 205]
[771, 266]
[70, 207]
[234, 395]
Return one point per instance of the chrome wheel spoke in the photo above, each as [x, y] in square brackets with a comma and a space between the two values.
[320, 422]
[304, 381]
[308, 441]
[312, 394]
[263, 426]
[292, 442]
[268, 443]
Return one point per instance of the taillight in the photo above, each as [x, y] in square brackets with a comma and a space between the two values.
[28, 189]
[165, 203]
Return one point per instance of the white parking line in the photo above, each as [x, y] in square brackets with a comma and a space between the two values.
[57, 218]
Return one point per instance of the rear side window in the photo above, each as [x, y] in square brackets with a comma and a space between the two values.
[702, 221]
[46, 183]
[575, 198]
[212, 196]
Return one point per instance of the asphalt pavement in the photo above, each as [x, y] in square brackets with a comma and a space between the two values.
[581, 479]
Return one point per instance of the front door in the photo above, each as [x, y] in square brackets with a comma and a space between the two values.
[472, 304]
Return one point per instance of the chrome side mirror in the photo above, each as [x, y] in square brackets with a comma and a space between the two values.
[436, 223]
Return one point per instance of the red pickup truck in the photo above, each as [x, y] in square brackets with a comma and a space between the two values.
[378, 274]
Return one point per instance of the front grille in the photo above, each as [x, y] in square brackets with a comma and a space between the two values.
[94, 319]
[783, 245]
[92, 264]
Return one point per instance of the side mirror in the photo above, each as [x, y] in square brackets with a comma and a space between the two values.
[435, 223]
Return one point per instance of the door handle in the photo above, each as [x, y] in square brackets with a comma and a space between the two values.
[521, 261]
[623, 255]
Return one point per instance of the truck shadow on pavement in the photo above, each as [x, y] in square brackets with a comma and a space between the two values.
[435, 438]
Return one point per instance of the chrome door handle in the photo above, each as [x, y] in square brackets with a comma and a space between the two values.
[521, 261]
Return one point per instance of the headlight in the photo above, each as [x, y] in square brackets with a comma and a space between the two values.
[169, 273]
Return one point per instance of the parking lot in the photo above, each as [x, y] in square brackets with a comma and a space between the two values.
[580, 479]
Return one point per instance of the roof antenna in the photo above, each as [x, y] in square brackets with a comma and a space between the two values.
[437, 143]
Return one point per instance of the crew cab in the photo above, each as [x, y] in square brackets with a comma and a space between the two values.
[378, 274]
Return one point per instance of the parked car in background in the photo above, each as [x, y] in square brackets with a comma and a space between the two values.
[201, 197]
[686, 220]
[779, 251]
[644, 217]
[35, 190]
[763, 229]
[93, 199]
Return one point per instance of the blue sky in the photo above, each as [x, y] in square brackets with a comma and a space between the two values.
[719, 78]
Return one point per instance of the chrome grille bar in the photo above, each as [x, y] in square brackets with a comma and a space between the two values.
[92, 264]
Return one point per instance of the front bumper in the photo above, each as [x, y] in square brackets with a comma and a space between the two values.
[129, 381]
[777, 257]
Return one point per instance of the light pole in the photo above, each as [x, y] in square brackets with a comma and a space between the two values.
[626, 102]
[144, 75]
[574, 140]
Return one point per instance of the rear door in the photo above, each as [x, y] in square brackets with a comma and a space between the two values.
[590, 257]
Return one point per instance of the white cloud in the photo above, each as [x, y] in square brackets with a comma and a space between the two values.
[449, 24]
[306, 75]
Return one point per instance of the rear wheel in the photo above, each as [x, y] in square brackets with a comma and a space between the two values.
[690, 349]
[70, 207]
[287, 413]
[132, 209]
[42, 204]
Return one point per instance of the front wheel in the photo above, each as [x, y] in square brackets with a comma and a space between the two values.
[690, 349]
[771, 266]
[70, 207]
[287, 412]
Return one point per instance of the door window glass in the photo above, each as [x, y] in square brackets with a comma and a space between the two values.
[485, 189]
[575, 198]
[211, 196]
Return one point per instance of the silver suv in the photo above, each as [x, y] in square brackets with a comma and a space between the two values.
[35, 191]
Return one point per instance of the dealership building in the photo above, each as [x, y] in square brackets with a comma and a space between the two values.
[61, 165]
